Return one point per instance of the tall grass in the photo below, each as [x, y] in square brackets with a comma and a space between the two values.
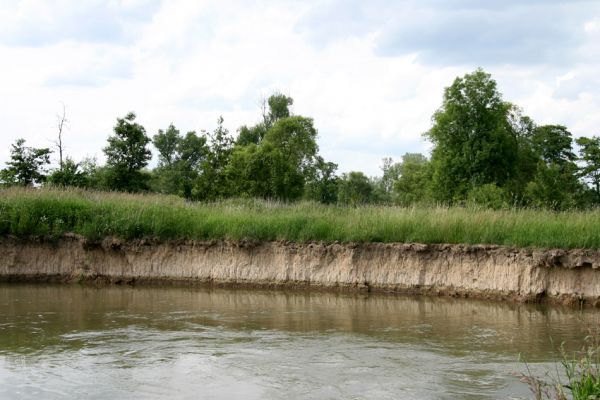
[95, 215]
[581, 369]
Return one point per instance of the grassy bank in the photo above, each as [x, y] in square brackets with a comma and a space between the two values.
[26, 212]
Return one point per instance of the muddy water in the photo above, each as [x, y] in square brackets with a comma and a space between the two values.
[144, 342]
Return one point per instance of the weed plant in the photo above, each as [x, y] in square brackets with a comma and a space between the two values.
[581, 370]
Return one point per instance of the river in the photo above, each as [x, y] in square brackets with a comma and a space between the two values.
[112, 342]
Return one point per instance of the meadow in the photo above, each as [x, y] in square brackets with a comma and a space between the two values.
[48, 212]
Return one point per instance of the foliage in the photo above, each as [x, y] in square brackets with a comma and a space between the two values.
[179, 161]
[70, 174]
[354, 189]
[276, 107]
[383, 187]
[415, 174]
[213, 183]
[590, 156]
[126, 154]
[582, 371]
[554, 144]
[279, 108]
[474, 142]
[26, 165]
[487, 196]
[554, 186]
[322, 185]
[277, 158]
[277, 167]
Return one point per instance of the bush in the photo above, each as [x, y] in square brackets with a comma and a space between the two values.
[487, 196]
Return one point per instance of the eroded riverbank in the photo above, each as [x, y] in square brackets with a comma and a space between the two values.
[495, 272]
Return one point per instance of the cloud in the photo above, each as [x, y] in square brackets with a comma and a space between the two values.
[44, 22]
[95, 65]
[475, 33]
[458, 32]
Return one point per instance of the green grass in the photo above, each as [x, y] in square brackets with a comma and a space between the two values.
[580, 368]
[95, 215]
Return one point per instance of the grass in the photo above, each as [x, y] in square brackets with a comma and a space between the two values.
[581, 370]
[95, 215]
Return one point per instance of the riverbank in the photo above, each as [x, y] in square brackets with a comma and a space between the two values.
[480, 271]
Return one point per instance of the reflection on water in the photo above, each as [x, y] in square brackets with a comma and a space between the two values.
[78, 341]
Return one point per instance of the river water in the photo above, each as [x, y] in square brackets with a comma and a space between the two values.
[117, 342]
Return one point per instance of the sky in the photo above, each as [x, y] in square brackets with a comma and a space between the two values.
[370, 73]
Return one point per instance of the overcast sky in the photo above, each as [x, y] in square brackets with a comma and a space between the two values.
[370, 73]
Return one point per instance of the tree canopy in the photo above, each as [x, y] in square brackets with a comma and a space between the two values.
[126, 154]
[26, 166]
[474, 143]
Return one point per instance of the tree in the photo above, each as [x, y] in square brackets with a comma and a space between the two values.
[71, 174]
[589, 154]
[212, 183]
[276, 107]
[26, 165]
[280, 164]
[527, 157]
[354, 189]
[555, 183]
[126, 155]
[474, 143]
[279, 108]
[413, 182]
[179, 161]
[383, 187]
[554, 186]
[61, 123]
[322, 185]
[167, 142]
[554, 144]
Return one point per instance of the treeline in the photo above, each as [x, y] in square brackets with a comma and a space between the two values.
[485, 152]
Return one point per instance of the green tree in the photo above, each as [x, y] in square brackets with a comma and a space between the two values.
[26, 165]
[322, 185]
[280, 165]
[179, 161]
[355, 188]
[213, 182]
[279, 108]
[527, 157]
[589, 154]
[474, 143]
[555, 184]
[275, 108]
[126, 155]
[412, 184]
[383, 187]
[554, 144]
[71, 174]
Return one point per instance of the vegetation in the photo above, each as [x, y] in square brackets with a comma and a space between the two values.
[581, 370]
[486, 153]
[26, 166]
[95, 215]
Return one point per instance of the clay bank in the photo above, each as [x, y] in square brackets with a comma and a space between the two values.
[482, 271]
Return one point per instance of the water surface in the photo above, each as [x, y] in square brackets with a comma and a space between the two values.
[148, 342]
